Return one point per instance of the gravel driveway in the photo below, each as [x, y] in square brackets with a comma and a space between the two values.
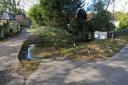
[8, 59]
[66, 72]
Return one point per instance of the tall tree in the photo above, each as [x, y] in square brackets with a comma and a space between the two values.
[54, 11]
[102, 18]
[36, 15]
[9, 5]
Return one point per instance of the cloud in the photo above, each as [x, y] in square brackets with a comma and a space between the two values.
[27, 4]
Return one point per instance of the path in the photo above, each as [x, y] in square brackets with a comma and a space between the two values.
[66, 72]
[9, 61]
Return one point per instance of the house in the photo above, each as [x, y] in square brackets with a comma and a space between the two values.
[12, 26]
[23, 20]
[90, 16]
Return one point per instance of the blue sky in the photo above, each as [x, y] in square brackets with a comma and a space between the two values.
[120, 5]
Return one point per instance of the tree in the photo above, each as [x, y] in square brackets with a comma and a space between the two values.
[55, 11]
[36, 15]
[8, 5]
[51, 10]
[102, 18]
[123, 18]
[11, 6]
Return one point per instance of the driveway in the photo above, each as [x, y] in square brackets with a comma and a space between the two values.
[66, 72]
[8, 60]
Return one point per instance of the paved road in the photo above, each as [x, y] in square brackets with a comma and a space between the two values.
[65, 72]
[8, 60]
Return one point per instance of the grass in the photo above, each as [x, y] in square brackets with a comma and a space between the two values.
[57, 44]
[28, 67]
[98, 49]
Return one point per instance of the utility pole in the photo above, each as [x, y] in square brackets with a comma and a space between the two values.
[113, 21]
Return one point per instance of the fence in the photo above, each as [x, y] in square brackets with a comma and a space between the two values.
[117, 33]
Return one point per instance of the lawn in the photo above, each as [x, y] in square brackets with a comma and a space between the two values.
[28, 67]
[99, 49]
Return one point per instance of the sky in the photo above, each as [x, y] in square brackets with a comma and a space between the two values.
[27, 4]
[120, 5]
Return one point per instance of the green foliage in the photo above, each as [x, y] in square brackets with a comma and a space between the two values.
[3, 25]
[52, 36]
[56, 13]
[8, 4]
[0, 27]
[36, 15]
[102, 22]
[76, 26]
[99, 6]
[102, 18]
[52, 12]
[79, 29]
[123, 18]
[48, 13]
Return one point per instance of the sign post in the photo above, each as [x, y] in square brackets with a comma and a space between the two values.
[101, 36]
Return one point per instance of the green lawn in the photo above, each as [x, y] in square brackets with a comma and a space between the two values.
[98, 49]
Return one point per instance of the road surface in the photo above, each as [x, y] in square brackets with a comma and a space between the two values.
[9, 50]
[113, 71]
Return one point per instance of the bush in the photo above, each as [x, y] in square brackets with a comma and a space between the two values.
[53, 36]
[123, 18]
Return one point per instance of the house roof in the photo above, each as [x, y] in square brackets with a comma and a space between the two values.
[90, 16]
[8, 16]
[23, 15]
